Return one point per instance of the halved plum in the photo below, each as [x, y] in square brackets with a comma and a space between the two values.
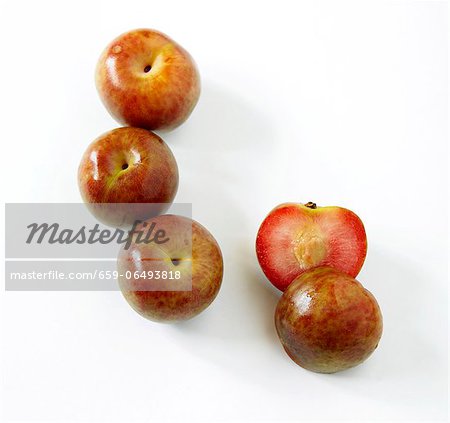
[296, 237]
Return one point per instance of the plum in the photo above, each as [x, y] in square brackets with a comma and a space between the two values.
[296, 237]
[327, 321]
[175, 278]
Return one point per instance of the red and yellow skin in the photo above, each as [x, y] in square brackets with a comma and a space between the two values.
[127, 165]
[147, 80]
[296, 237]
[191, 250]
[327, 321]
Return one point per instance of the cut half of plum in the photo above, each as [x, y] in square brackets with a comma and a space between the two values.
[296, 237]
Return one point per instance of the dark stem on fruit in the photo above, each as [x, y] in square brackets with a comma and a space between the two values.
[147, 69]
[125, 166]
[311, 205]
[175, 261]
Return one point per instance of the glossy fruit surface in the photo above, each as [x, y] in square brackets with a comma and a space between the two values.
[147, 271]
[296, 237]
[127, 165]
[147, 80]
[327, 321]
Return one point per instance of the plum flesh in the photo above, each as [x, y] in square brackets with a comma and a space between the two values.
[295, 237]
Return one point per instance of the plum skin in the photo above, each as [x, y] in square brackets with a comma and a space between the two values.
[205, 272]
[147, 80]
[127, 174]
[327, 321]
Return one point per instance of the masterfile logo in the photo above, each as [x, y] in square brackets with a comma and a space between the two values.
[50, 246]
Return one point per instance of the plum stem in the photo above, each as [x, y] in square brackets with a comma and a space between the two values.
[311, 205]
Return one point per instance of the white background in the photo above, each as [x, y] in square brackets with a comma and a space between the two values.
[341, 103]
